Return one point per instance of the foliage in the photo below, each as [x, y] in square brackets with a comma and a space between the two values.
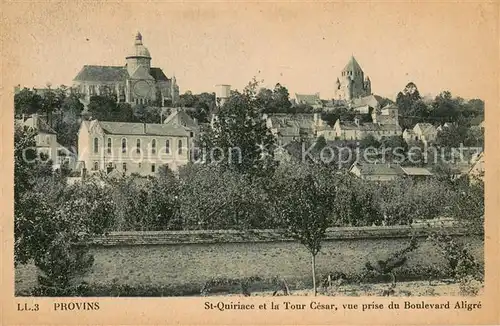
[461, 262]
[357, 203]
[214, 198]
[203, 104]
[443, 108]
[275, 101]
[27, 102]
[105, 108]
[52, 219]
[240, 140]
[146, 203]
[341, 112]
[406, 200]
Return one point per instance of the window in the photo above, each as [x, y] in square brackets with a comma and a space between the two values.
[167, 146]
[140, 165]
[124, 167]
[191, 134]
[153, 146]
[96, 145]
[138, 146]
[124, 145]
[179, 146]
[96, 166]
[109, 145]
[153, 168]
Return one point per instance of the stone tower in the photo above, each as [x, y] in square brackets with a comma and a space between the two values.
[352, 83]
[139, 57]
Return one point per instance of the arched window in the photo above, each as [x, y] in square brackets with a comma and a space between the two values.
[96, 145]
[138, 146]
[124, 145]
[153, 146]
[96, 166]
[179, 146]
[109, 145]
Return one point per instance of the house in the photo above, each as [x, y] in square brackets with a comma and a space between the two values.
[313, 100]
[357, 130]
[377, 172]
[290, 127]
[132, 147]
[387, 172]
[178, 118]
[46, 138]
[409, 135]
[425, 132]
[416, 173]
[68, 158]
[371, 101]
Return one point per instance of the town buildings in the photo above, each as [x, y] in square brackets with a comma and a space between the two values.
[129, 147]
[386, 172]
[46, 143]
[136, 82]
[424, 132]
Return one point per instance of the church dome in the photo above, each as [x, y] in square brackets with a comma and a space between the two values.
[139, 50]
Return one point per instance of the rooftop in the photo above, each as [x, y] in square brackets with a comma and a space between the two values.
[146, 129]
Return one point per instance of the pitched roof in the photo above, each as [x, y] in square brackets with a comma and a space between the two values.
[370, 100]
[102, 73]
[181, 117]
[379, 169]
[284, 120]
[38, 124]
[370, 126]
[311, 99]
[113, 73]
[352, 65]
[416, 171]
[145, 129]
[425, 128]
[158, 74]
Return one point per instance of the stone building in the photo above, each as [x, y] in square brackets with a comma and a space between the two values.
[129, 147]
[352, 83]
[135, 83]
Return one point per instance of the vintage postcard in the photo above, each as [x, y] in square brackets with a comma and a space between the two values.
[251, 163]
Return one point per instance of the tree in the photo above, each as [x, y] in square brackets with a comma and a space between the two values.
[356, 203]
[27, 102]
[281, 98]
[214, 198]
[82, 211]
[369, 141]
[452, 136]
[303, 206]
[51, 219]
[240, 139]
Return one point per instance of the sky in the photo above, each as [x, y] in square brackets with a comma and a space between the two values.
[303, 46]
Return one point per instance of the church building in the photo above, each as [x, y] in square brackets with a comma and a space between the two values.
[135, 83]
[352, 83]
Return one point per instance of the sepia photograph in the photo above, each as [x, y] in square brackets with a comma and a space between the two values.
[232, 150]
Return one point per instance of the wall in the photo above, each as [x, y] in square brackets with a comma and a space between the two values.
[182, 258]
